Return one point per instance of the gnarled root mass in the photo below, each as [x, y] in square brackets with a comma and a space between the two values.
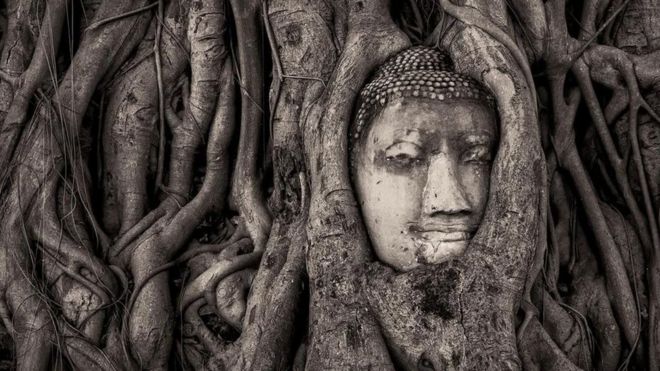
[175, 190]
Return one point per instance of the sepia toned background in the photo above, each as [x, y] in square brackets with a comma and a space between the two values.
[175, 188]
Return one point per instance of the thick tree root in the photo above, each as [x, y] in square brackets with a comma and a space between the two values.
[246, 193]
[128, 132]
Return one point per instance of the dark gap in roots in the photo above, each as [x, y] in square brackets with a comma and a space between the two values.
[301, 324]
[266, 145]
[70, 40]
[96, 112]
[564, 281]
[217, 325]
[573, 18]
[3, 22]
[416, 18]
[7, 352]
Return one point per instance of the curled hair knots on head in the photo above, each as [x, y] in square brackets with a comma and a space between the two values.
[419, 72]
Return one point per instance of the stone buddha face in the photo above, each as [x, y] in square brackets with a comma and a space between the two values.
[422, 172]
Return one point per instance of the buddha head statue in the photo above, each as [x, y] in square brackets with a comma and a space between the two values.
[421, 148]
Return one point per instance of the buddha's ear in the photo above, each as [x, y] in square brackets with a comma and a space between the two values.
[513, 227]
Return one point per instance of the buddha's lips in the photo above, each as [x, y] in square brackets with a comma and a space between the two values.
[441, 236]
[442, 229]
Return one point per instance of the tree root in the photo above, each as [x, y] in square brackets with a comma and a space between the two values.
[540, 352]
[334, 231]
[18, 46]
[166, 237]
[42, 63]
[268, 336]
[207, 281]
[615, 273]
[130, 117]
[491, 343]
[245, 191]
[206, 34]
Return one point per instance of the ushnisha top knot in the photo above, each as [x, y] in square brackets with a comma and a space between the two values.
[418, 72]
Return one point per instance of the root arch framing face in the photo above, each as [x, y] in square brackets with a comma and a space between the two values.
[344, 184]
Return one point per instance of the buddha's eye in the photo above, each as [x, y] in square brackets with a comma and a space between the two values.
[403, 154]
[479, 154]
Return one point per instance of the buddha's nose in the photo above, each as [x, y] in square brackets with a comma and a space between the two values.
[443, 194]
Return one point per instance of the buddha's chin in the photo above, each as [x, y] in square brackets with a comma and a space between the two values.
[436, 251]
[424, 249]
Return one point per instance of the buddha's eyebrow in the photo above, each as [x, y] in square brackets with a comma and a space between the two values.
[408, 134]
[484, 138]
